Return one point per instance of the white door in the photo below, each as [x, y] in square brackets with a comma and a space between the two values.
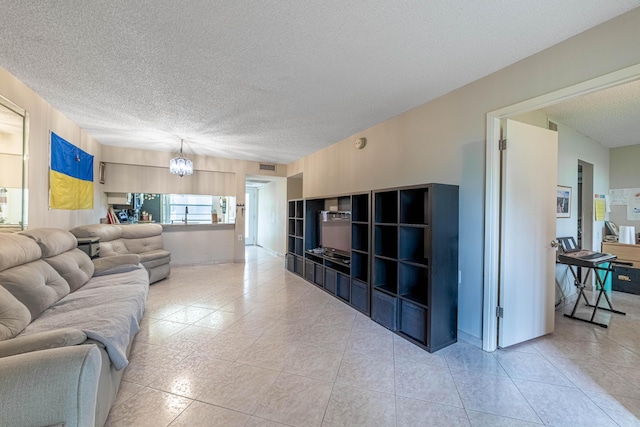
[251, 216]
[527, 244]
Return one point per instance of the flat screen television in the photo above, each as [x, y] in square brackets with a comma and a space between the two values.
[335, 231]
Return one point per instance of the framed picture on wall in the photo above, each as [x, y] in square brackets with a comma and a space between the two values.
[563, 202]
[101, 171]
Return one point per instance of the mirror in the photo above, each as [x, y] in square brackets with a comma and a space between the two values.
[13, 191]
[176, 209]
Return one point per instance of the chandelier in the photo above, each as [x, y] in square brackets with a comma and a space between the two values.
[181, 165]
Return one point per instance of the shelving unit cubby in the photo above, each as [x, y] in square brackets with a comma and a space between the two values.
[295, 237]
[402, 267]
[415, 286]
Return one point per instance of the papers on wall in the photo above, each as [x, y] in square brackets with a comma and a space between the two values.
[633, 204]
[619, 196]
[629, 197]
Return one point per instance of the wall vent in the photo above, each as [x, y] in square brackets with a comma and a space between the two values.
[553, 126]
[267, 167]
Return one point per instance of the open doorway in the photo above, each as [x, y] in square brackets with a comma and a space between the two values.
[265, 212]
[493, 226]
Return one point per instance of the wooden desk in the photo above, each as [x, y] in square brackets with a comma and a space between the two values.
[625, 253]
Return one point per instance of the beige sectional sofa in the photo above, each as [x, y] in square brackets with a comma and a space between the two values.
[142, 239]
[66, 328]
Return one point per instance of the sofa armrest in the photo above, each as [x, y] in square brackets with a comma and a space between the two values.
[115, 264]
[42, 341]
[56, 386]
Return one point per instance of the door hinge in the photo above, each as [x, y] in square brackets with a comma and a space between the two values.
[499, 312]
[502, 144]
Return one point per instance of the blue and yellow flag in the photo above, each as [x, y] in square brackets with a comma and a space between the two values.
[71, 176]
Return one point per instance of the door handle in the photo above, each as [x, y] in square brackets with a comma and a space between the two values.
[554, 244]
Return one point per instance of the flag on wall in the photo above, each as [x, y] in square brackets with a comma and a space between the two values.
[70, 176]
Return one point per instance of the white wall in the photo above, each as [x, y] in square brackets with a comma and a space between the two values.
[572, 147]
[443, 140]
[200, 246]
[272, 216]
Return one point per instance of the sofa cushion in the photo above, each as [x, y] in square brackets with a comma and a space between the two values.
[138, 231]
[115, 264]
[36, 285]
[14, 316]
[106, 232]
[74, 266]
[108, 309]
[16, 249]
[113, 247]
[144, 244]
[50, 339]
[154, 258]
[52, 241]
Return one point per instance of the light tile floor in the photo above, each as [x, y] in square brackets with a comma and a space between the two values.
[253, 345]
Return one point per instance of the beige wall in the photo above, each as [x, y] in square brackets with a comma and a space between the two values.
[213, 175]
[443, 140]
[43, 118]
[624, 173]
[121, 178]
[294, 188]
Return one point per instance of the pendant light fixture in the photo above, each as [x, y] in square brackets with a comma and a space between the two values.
[181, 165]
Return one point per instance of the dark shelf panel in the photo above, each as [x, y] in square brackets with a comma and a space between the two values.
[343, 289]
[414, 206]
[299, 246]
[385, 273]
[384, 309]
[416, 298]
[413, 282]
[389, 289]
[385, 241]
[360, 237]
[360, 296]
[299, 209]
[424, 262]
[414, 244]
[360, 266]
[413, 321]
[299, 227]
[360, 208]
[386, 207]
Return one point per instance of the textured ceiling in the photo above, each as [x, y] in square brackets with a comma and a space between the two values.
[267, 80]
[610, 116]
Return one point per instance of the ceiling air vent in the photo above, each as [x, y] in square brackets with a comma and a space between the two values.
[267, 167]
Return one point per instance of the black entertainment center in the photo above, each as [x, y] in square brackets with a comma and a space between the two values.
[391, 254]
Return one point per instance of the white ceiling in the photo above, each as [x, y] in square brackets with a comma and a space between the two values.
[610, 116]
[267, 80]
